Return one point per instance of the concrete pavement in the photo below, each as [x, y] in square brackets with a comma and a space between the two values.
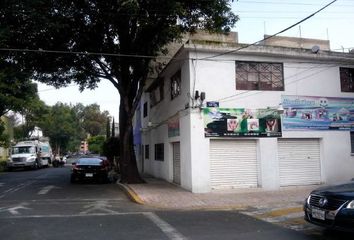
[282, 207]
[161, 194]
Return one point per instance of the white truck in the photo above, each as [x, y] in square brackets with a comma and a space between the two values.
[30, 154]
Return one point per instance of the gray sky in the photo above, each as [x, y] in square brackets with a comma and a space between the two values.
[257, 17]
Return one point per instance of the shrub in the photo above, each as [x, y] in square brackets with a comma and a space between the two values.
[2, 165]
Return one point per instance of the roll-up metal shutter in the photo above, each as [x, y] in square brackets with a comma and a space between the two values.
[233, 164]
[299, 161]
[176, 163]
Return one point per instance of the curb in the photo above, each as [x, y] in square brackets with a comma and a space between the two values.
[131, 194]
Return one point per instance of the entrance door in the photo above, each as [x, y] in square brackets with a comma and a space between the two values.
[176, 163]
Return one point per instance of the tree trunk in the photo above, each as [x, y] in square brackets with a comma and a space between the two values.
[127, 162]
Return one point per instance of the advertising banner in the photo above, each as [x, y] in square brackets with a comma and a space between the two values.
[318, 113]
[240, 122]
[173, 127]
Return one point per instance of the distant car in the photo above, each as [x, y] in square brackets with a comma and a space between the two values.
[89, 168]
[332, 207]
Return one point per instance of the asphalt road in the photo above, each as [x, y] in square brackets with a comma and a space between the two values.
[42, 204]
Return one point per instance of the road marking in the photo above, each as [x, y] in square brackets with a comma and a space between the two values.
[100, 206]
[72, 215]
[166, 228]
[46, 189]
[14, 210]
[2, 184]
[16, 188]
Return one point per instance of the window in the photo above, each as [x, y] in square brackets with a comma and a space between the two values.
[176, 85]
[347, 79]
[147, 151]
[159, 152]
[259, 76]
[157, 93]
[352, 141]
[145, 113]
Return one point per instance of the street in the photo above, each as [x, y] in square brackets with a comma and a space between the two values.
[42, 204]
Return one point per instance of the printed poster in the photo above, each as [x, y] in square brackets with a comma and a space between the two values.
[318, 113]
[240, 122]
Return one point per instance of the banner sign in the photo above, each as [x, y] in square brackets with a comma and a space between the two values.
[318, 113]
[240, 122]
[173, 127]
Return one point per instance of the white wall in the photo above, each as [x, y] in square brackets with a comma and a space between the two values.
[217, 80]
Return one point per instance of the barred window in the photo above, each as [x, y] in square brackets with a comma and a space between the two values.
[176, 85]
[159, 152]
[145, 110]
[259, 76]
[157, 93]
[347, 79]
[147, 152]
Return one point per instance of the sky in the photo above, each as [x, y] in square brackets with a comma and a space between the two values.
[257, 17]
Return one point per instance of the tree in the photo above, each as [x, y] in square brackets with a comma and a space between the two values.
[62, 126]
[16, 92]
[34, 115]
[16, 89]
[108, 129]
[95, 144]
[113, 128]
[87, 41]
[4, 137]
[111, 150]
[93, 120]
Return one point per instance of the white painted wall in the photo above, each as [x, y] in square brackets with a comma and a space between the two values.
[217, 80]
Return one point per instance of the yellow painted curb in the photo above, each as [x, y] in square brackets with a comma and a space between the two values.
[131, 194]
[280, 212]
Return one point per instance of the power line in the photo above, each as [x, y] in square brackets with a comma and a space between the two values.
[288, 3]
[284, 30]
[81, 53]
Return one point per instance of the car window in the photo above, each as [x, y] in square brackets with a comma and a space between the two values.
[89, 161]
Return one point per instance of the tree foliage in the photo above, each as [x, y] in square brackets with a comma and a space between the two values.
[95, 144]
[93, 120]
[4, 137]
[64, 124]
[86, 41]
[16, 89]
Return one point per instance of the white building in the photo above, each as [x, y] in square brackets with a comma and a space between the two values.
[185, 142]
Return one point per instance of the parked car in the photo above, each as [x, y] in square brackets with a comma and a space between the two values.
[332, 207]
[89, 168]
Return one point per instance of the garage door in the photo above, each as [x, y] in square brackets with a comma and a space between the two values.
[233, 164]
[299, 162]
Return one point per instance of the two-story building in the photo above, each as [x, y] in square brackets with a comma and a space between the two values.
[227, 115]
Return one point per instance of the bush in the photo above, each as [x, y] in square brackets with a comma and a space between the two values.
[2, 165]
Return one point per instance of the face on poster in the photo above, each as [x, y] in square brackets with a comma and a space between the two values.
[237, 122]
[318, 113]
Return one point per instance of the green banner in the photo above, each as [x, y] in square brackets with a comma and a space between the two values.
[240, 122]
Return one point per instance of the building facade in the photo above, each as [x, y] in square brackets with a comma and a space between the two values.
[228, 115]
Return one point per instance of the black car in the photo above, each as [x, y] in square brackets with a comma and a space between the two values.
[332, 207]
[90, 169]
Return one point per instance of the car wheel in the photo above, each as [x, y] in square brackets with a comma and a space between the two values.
[35, 165]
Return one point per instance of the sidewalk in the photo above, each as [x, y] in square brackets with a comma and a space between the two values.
[161, 194]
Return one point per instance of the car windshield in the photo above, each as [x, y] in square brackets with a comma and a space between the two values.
[89, 161]
[24, 149]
